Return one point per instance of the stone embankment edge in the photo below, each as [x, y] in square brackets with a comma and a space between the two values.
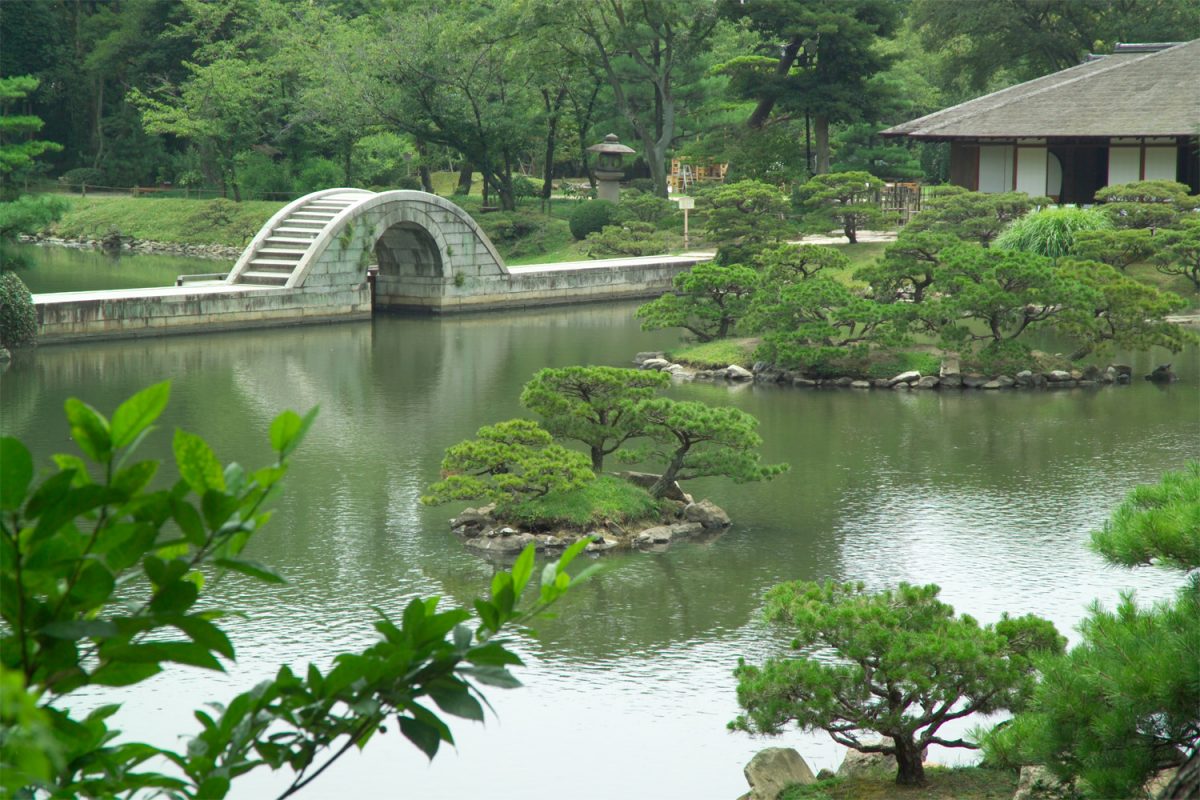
[488, 535]
[948, 378]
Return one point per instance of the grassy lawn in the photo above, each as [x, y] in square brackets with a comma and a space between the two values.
[943, 783]
[165, 219]
[526, 236]
[861, 253]
[606, 499]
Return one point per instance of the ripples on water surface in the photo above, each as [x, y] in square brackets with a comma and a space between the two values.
[991, 495]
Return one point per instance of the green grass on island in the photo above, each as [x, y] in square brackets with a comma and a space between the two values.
[877, 364]
[942, 783]
[717, 354]
[606, 499]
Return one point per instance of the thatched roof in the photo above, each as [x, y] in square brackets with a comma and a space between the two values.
[1128, 93]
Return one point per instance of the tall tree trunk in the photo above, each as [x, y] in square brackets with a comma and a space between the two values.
[99, 123]
[660, 486]
[908, 758]
[508, 197]
[553, 111]
[427, 179]
[348, 162]
[821, 128]
[656, 59]
[583, 124]
[1186, 782]
[597, 459]
[583, 161]
[762, 111]
[466, 173]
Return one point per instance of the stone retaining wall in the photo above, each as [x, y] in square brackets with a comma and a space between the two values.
[216, 252]
[74, 316]
[536, 285]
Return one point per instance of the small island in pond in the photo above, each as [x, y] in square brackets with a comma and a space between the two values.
[536, 491]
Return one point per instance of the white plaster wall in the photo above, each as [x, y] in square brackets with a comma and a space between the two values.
[1124, 164]
[995, 168]
[1161, 163]
[1031, 170]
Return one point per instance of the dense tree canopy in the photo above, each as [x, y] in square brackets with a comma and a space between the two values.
[146, 91]
[507, 462]
[694, 440]
[592, 405]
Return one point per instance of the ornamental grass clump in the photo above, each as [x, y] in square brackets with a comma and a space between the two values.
[1051, 231]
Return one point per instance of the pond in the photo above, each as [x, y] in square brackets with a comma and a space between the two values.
[69, 269]
[991, 495]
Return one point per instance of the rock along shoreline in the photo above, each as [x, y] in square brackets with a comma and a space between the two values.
[949, 377]
[483, 532]
[127, 244]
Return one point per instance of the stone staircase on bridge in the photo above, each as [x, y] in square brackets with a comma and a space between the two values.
[274, 258]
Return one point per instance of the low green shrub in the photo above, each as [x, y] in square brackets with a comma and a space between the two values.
[18, 318]
[630, 239]
[890, 364]
[29, 214]
[83, 175]
[261, 176]
[1006, 357]
[524, 188]
[315, 174]
[523, 234]
[606, 498]
[646, 207]
[815, 361]
[591, 217]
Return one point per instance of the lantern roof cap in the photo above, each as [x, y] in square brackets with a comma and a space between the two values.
[610, 145]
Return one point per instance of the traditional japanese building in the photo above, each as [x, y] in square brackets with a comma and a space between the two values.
[1132, 115]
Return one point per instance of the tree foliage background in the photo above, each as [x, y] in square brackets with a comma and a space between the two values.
[251, 97]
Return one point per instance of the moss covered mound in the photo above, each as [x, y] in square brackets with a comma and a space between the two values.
[604, 500]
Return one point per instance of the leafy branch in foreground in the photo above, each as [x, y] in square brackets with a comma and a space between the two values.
[102, 580]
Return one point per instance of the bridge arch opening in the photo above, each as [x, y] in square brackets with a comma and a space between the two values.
[408, 249]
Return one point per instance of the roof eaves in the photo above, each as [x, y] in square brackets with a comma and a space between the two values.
[1091, 73]
[926, 127]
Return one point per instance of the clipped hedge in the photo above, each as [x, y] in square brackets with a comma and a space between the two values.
[591, 217]
[18, 318]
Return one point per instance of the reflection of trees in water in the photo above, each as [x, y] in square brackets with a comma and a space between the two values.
[872, 473]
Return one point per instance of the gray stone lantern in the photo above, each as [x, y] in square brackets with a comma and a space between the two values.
[609, 170]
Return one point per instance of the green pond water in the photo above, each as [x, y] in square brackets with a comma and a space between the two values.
[991, 495]
[68, 269]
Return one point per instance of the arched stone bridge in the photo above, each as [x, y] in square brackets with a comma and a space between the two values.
[309, 264]
[423, 244]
